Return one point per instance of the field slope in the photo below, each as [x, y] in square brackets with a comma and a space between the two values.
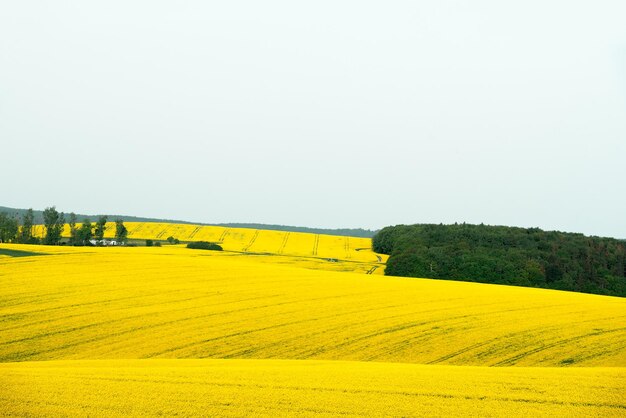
[271, 388]
[247, 240]
[122, 319]
[102, 303]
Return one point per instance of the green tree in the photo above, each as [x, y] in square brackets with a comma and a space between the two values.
[54, 222]
[204, 245]
[121, 233]
[26, 232]
[505, 255]
[84, 233]
[8, 228]
[100, 227]
[73, 230]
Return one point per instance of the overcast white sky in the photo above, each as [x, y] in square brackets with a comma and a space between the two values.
[321, 114]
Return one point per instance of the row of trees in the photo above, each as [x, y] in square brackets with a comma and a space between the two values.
[54, 225]
[12, 231]
[505, 255]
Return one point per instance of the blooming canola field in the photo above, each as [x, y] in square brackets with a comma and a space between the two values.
[304, 388]
[167, 330]
[258, 241]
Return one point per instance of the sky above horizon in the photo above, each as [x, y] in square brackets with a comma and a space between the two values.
[321, 114]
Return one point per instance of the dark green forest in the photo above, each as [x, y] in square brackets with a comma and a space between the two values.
[505, 255]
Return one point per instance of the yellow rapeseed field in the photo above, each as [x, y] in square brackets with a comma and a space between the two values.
[173, 302]
[89, 331]
[272, 388]
[247, 240]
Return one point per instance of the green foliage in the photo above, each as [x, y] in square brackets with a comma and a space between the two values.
[8, 228]
[349, 232]
[100, 228]
[94, 218]
[85, 233]
[54, 222]
[506, 255]
[204, 245]
[26, 231]
[157, 243]
[149, 243]
[121, 233]
[173, 240]
[73, 231]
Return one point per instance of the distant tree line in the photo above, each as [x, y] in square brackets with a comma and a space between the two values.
[505, 255]
[20, 229]
[38, 217]
[349, 232]
[16, 229]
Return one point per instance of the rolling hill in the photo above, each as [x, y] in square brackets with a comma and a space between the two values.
[345, 253]
[172, 302]
[272, 326]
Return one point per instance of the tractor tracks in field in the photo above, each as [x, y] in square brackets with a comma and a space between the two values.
[283, 244]
[316, 244]
[163, 232]
[512, 360]
[254, 237]
[249, 331]
[223, 235]
[194, 232]
[130, 330]
[346, 247]
[132, 229]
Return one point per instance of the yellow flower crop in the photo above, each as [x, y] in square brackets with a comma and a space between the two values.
[251, 240]
[89, 331]
[272, 388]
[173, 302]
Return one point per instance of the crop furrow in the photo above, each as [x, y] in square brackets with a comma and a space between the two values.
[512, 360]
[194, 232]
[223, 235]
[283, 244]
[316, 244]
[254, 237]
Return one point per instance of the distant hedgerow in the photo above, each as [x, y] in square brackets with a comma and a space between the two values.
[204, 245]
